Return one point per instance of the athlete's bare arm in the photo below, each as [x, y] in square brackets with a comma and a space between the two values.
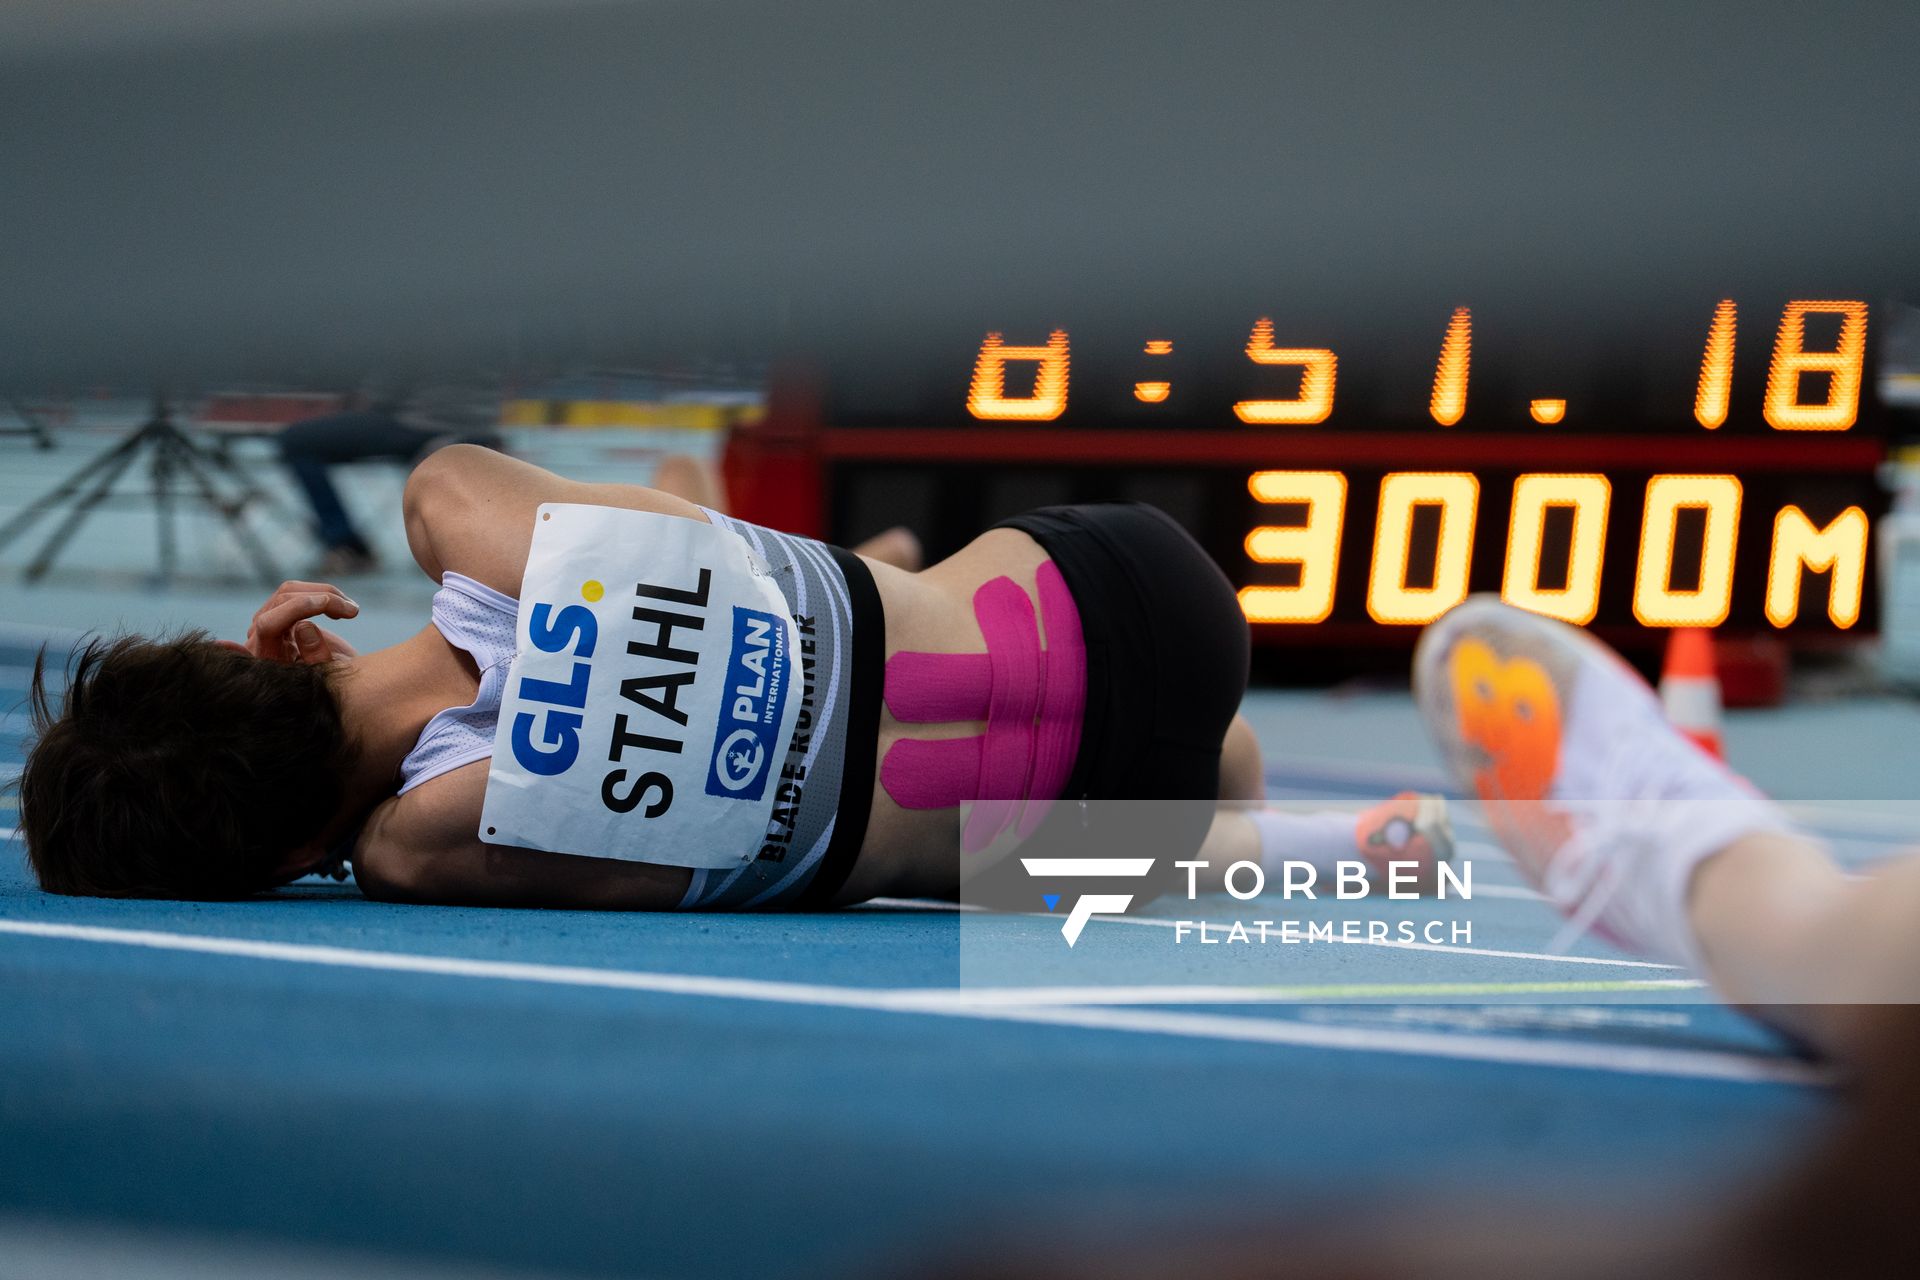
[425, 846]
[471, 510]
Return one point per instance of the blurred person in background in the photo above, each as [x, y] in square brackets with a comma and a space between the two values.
[405, 427]
[401, 425]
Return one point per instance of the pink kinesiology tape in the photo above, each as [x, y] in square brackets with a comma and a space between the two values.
[1031, 700]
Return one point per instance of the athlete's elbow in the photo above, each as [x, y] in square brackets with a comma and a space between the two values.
[439, 480]
[436, 491]
[385, 877]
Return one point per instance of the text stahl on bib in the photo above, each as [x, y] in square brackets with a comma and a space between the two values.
[650, 696]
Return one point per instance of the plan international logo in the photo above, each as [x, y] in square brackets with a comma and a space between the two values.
[747, 735]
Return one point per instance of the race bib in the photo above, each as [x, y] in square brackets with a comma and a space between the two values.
[650, 698]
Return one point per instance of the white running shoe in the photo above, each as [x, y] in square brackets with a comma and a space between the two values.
[1604, 805]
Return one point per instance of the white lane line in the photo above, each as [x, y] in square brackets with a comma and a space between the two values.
[80, 1250]
[1330, 993]
[1516, 891]
[916, 904]
[1627, 1059]
[1440, 947]
[1511, 1050]
[1505, 1017]
[457, 967]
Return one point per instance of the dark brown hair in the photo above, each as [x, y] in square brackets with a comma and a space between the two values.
[177, 769]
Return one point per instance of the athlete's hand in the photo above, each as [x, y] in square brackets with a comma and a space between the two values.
[282, 631]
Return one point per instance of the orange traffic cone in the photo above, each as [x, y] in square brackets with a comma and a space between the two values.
[1690, 688]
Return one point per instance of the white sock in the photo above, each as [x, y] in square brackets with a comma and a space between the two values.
[1322, 839]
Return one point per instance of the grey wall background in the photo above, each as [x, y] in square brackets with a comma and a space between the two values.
[224, 188]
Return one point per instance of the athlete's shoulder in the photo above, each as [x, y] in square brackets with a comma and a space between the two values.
[410, 838]
[425, 847]
[470, 510]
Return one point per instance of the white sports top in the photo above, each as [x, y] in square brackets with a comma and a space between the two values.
[478, 619]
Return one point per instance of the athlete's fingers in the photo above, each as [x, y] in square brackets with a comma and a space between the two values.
[268, 636]
[296, 586]
[309, 645]
[281, 612]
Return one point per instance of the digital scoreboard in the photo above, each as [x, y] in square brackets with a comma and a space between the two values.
[1718, 469]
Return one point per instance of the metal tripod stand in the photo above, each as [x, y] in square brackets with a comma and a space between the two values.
[31, 423]
[179, 467]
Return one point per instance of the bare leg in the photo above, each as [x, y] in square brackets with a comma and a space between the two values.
[1781, 927]
[1245, 831]
[1243, 775]
[1243, 782]
[687, 477]
[897, 546]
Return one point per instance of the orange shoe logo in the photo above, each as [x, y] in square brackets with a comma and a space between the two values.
[1508, 712]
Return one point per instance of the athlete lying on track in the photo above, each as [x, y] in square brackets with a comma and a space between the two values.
[211, 769]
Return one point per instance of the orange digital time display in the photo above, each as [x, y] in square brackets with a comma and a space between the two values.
[1721, 475]
[1835, 407]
